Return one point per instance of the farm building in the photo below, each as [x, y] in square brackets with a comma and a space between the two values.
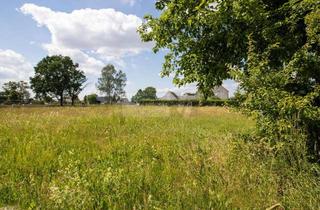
[104, 100]
[189, 96]
[220, 92]
[170, 96]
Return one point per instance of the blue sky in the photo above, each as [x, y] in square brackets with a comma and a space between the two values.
[92, 32]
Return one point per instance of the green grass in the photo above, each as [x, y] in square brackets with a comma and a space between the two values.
[138, 158]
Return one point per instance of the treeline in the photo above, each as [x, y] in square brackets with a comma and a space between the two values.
[58, 80]
[15, 92]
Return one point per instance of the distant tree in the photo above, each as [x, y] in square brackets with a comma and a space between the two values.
[16, 92]
[148, 93]
[120, 83]
[112, 83]
[91, 99]
[57, 76]
[3, 97]
[138, 97]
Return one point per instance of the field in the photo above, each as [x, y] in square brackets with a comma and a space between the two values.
[138, 158]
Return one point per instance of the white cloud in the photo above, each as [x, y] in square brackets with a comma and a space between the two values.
[91, 37]
[13, 66]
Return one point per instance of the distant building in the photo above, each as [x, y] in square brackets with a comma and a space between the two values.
[220, 92]
[104, 100]
[123, 101]
[189, 96]
[170, 96]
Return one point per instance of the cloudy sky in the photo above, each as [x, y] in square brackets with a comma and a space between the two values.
[92, 32]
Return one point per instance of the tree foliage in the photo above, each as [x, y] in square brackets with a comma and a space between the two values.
[3, 97]
[112, 83]
[91, 99]
[270, 46]
[149, 93]
[137, 97]
[57, 77]
[16, 92]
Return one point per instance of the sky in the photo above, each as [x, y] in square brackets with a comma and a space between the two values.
[93, 33]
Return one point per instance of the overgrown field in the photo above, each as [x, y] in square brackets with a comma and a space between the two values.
[140, 158]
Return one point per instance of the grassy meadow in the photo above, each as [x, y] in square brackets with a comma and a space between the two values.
[139, 158]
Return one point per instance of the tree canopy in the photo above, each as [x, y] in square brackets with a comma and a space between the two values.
[147, 93]
[16, 92]
[112, 83]
[57, 77]
[270, 46]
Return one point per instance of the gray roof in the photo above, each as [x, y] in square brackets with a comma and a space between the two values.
[170, 96]
[102, 99]
[189, 96]
[219, 91]
[220, 88]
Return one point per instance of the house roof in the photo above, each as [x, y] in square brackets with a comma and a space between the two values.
[101, 99]
[189, 96]
[170, 95]
[220, 88]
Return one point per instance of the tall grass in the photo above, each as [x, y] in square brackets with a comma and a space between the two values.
[140, 158]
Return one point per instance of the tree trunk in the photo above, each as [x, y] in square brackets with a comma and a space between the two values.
[205, 96]
[72, 100]
[61, 100]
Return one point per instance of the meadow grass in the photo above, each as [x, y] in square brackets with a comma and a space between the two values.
[128, 157]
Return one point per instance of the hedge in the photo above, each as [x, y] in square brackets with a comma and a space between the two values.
[216, 102]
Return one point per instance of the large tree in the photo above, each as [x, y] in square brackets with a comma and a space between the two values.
[57, 77]
[200, 41]
[112, 83]
[270, 46]
[16, 92]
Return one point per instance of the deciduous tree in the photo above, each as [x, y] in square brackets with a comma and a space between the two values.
[270, 46]
[112, 83]
[57, 76]
[16, 92]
